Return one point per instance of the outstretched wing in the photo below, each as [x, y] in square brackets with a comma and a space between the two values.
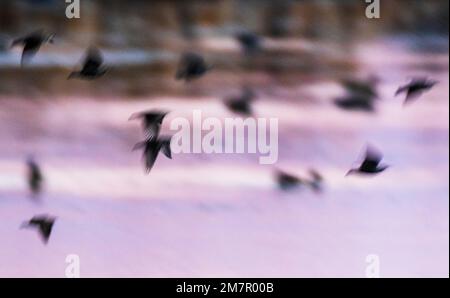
[139, 145]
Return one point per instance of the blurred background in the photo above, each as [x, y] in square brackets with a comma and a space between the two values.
[223, 215]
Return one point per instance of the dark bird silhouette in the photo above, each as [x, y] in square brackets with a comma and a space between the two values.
[35, 177]
[151, 122]
[151, 148]
[31, 44]
[360, 95]
[92, 66]
[250, 42]
[287, 181]
[415, 88]
[366, 88]
[242, 104]
[371, 164]
[43, 223]
[356, 102]
[192, 66]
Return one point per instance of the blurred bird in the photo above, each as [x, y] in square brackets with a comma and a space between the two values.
[43, 223]
[151, 122]
[367, 88]
[151, 148]
[92, 66]
[242, 104]
[371, 164]
[360, 95]
[416, 88]
[192, 66]
[35, 177]
[250, 43]
[31, 44]
[355, 102]
[287, 181]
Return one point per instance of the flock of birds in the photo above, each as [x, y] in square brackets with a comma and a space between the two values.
[361, 96]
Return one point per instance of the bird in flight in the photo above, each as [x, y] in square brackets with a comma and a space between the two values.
[356, 102]
[250, 42]
[151, 122]
[192, 66]
[241, 104]
[93, 66]
[366, 87]
[360, 95]
[415, 88]
[371, 165]
[31, 43]
[151, 148]
[35, 177]
[289, 182]
[43, 223]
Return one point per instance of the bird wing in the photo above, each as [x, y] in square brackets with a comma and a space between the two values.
[401, 90]
[139, 145]
[17, 41]
[150, 155]
[165, 147]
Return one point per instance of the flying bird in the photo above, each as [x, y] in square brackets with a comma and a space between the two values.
[366, 88]
[415, 88]
[360, 94]
[31, 44]
[242, 104]
[356, 102]
[371, 164]
[192, 66]
[151, 149]
[93, 66]
[287, 181]
[151, 122]
[43, 223]
[250, 42]
[35, 177]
